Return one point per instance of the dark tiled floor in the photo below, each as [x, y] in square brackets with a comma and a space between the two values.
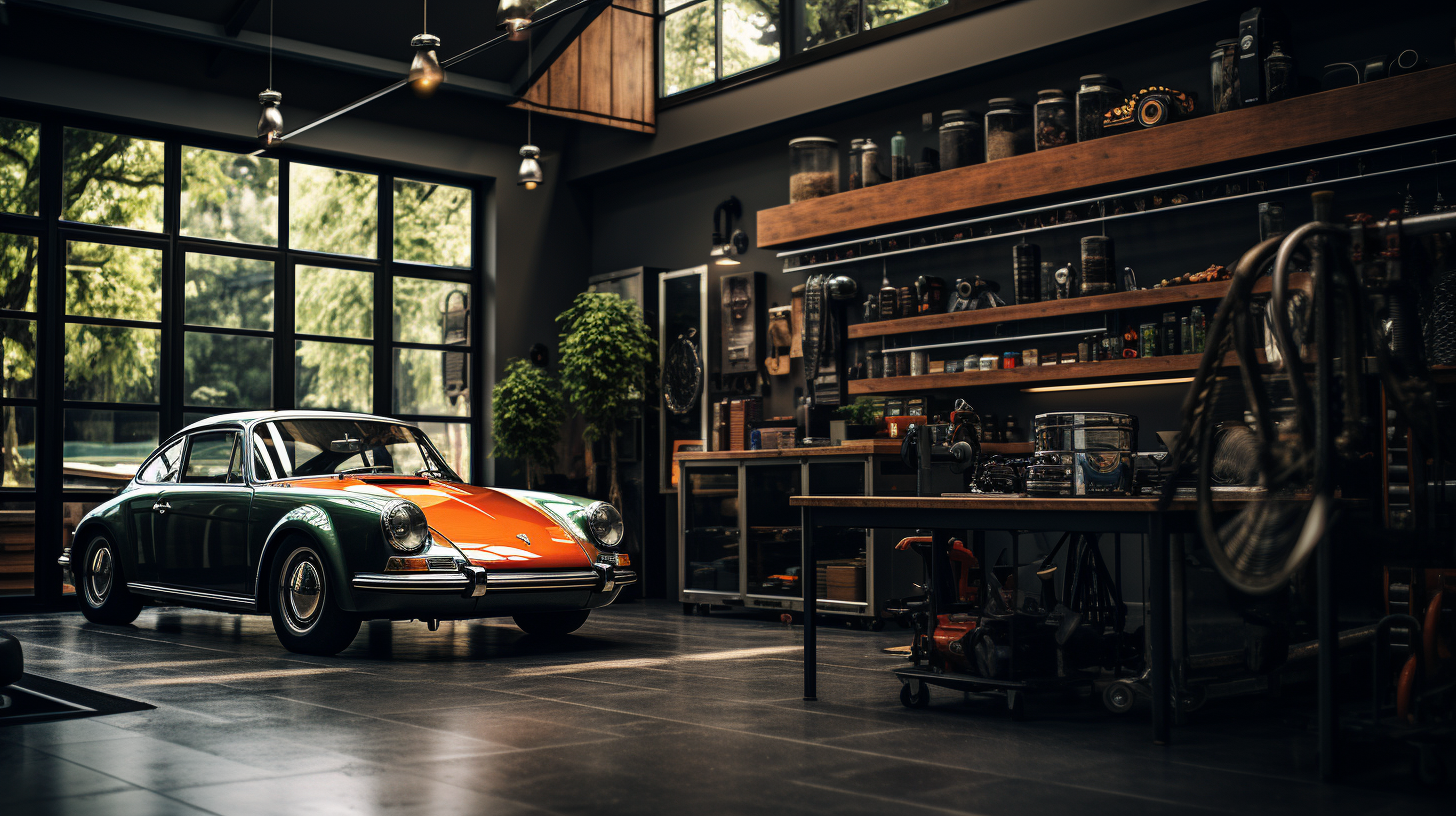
[645, 711]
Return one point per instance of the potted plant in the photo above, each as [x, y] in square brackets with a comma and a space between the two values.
[606, 354]
[858, 420]
[528, 416]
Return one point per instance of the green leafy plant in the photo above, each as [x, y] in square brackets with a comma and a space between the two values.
[528, 416]
[857, 413]
[606, 353]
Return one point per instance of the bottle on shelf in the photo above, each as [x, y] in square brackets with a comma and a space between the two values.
[899, 158]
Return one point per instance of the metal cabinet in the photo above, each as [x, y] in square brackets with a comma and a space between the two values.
[739, 540]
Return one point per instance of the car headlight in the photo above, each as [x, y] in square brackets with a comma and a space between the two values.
[404, 525]
[605, 524]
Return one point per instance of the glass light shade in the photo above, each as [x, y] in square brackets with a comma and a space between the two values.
[530, 173]
[425, 72]
[270, 124]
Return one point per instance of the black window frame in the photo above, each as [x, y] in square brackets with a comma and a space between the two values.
[791, 55]
[49, 493]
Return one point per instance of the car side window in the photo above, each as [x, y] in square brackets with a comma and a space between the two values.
[214, 458]
[163, 468]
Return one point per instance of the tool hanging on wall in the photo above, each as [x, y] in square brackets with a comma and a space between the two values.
[780, 339]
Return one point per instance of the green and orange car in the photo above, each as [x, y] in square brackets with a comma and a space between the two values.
[323, 520]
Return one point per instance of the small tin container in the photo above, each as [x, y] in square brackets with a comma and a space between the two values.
[1069, 357]
[1009, 359]
[1029, 357]
[954, 366]
[988, 362]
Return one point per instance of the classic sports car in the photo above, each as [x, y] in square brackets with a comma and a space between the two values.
[324, 520]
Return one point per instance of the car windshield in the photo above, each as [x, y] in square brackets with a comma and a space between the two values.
[293, 448]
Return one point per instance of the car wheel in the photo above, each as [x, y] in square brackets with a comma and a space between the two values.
[102, 586]
[306, 614]
[551, 623]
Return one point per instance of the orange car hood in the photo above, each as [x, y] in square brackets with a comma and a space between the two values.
[493, 529]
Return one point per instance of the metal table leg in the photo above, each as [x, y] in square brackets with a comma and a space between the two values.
[809, 578]
[1160, 626]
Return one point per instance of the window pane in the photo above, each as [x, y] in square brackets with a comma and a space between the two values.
[824, 21]
[669, 5]
[212, 458]
[431, 382]
[18, 257]
[17, 379]
[17, 446]
[112, 180]
[427, 311]
[164, 467]
[104, 448]
[431, 223]
[229, 196]
[227, 371]
[19, 176]
[750, 34]
[883, 12]
[333, 302]
[17, 556]
[339, 376]
[333, 211]
[111, 364]
[104, 280]
[452, 440]
[689, 45]
[232, 293]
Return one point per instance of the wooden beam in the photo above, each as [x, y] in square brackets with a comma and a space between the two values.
[1417, 99]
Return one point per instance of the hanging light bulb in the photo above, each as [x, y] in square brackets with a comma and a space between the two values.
[530, 173]
[270, 124]
[425, 74]
[513, 16]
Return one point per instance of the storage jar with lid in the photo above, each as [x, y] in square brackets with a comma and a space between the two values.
[1054, 119]
[1223, 66]
[856, 164]
[1279, 76]
[813, 168]
[871, 160]
[1097, 95]
[960, 137]
[1008, 129]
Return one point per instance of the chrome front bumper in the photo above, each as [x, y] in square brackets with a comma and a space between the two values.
[473, 582]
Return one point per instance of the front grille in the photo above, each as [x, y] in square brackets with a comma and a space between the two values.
[441, 563]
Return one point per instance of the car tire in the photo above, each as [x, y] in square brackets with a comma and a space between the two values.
[551, 624]
[101, 585]
[306, 613]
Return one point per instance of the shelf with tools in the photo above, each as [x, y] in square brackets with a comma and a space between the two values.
[1135, 368]
[1396, 103]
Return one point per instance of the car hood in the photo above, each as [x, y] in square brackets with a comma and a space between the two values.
[493, 528]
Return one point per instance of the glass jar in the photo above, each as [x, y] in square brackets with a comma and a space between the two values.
[959, 139]
[899, 158]
[1054, 114]
[813, 168]
[1279, 76]
[1097, 266]
[1097, 95]
[1223, 66]
[871, 164]
[1008, 129]
[856, 164]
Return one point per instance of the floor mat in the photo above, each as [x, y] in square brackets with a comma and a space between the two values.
[40, 699]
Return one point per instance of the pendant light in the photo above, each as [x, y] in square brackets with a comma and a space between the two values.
[513, 16]
[270, 124]
[530, 173]
[425, 73]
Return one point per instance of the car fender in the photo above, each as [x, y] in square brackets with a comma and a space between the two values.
[315, 523]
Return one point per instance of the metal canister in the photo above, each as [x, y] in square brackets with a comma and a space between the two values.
[874, 365]
[1082, 454]
[1098, 277]
[909, 304]
[919, 363]
[1025, 271]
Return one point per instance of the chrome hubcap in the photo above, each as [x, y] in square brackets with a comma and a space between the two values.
[303, 590]
[98, 575]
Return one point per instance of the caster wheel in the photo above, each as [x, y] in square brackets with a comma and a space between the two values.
[1118, 698]
[704, 609]
[918, 698]
[1193, 699]
[1016, 702]
[876, 625]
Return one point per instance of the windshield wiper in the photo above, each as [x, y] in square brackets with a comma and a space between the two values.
[367, 469]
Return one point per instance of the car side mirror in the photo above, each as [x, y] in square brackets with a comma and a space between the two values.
[346, 445]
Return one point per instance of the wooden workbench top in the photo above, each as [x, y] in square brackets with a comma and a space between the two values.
[857, 447]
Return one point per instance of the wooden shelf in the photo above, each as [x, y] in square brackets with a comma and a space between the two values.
[1416, 99]
[1122, 369]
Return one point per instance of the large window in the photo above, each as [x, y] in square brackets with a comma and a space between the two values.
[704, 42]
[148, 281]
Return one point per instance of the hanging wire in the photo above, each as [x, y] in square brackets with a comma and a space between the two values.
[270, 44]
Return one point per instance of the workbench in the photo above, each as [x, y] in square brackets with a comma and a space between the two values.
[1132, 515]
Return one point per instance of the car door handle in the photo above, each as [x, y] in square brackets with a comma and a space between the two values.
[161, 507]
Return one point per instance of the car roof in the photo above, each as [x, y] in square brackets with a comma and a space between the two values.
[248, 417]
